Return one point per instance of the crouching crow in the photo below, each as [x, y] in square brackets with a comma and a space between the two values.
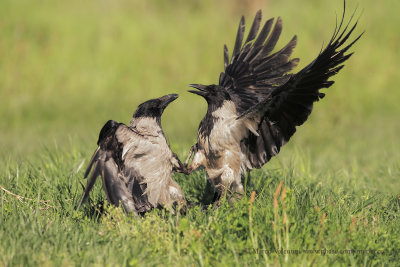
[256, 106]
[135, 161]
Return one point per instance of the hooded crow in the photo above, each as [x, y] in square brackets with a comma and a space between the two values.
[135, 161]
[256, 106]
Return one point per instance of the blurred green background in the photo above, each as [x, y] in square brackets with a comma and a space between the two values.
[66, 67]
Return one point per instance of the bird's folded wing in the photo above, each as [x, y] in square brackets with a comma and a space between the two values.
[253, 70]
[105, 163]
[93, 177]
[114, 186]
[290, 105]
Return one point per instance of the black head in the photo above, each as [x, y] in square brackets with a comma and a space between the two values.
[213, 94]
[154, 108]
[108, 129]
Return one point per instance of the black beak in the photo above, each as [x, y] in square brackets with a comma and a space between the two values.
[202, 89]
[168, 99]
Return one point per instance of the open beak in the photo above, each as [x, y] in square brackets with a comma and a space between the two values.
[202, 91]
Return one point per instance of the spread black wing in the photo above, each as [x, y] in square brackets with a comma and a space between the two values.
[253, 70]
[290, 104]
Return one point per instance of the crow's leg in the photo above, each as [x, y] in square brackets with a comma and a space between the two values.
[198, 160]
[177, 165]
[230, 185]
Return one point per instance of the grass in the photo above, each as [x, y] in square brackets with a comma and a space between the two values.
[68, 66]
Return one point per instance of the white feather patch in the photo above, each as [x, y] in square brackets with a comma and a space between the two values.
[250, 125]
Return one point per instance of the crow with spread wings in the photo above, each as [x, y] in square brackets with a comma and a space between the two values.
[257, 105]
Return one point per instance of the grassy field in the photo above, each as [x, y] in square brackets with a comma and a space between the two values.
[332, 196]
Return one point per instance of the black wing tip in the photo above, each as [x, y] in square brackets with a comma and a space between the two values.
[86, 173]
[242, 21]
[347, 25]
[336, 47]
[91, 162]
[258, 17]
[239, 37]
